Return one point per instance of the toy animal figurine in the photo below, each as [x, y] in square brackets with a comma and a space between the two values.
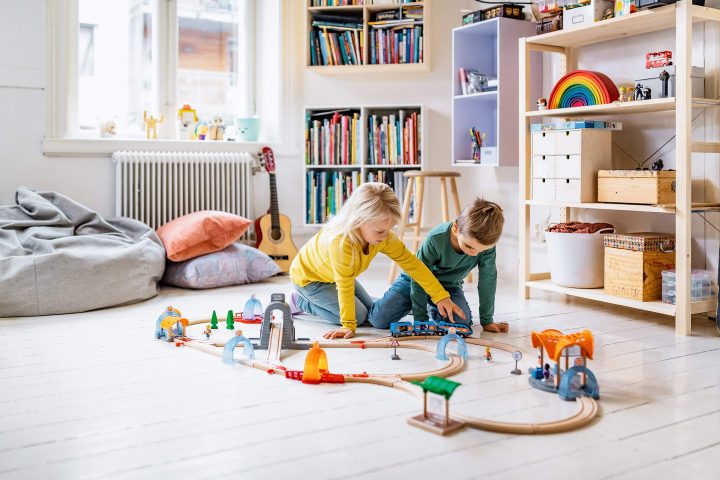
[657, 165]
[108, 129]
[542, 104]
[151, 124]
[216, 130]
[664, 81]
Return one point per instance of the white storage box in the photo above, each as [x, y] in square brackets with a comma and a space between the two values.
[577, 260]
[702, 286]
[543, 189]
[583, 16]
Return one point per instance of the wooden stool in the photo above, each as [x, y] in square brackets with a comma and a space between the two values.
[419, 177]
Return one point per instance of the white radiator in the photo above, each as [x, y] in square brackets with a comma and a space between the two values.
[156, 187]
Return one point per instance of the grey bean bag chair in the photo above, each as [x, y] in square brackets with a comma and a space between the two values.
[57, 256]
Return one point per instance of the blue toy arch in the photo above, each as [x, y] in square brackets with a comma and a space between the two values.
[570, 390]
[442, 345]
[230, 348]
[253, 309]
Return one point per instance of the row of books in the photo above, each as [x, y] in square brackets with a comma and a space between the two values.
[336, 46]
[396, 45]
[340, 3]
[328, 191]
[333, 139]
[395, 139]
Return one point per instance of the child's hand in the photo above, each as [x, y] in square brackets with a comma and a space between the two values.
[501, 327]
[448, 309]
[339, 333]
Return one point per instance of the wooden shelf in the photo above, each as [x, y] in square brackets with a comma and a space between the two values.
[333, 167]
[374, 68]
[492, 95]
[641, 106]
[599, 295]
[602, 206]
[376, 166]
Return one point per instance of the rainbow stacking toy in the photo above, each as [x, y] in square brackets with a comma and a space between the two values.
[582, 88]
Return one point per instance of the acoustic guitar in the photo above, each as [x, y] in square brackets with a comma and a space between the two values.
[273, 230]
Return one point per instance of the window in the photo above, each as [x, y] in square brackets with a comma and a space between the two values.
[135, 56]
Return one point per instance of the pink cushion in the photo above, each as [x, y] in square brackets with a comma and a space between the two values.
[201, 232]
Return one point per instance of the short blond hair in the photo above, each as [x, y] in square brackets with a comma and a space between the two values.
[481, 220]
[371, 200]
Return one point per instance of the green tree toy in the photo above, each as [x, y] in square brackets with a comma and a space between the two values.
[230, 321]
[213, 321]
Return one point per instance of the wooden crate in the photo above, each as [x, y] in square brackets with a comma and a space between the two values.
[644, 187]
[635, 269]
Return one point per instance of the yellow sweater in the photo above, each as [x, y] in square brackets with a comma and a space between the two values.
[324, 259]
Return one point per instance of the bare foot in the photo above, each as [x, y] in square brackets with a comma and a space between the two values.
[501, 327]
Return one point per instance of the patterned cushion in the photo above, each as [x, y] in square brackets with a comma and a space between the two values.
[237, 264]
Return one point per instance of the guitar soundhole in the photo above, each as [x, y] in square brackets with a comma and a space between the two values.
[275, 234]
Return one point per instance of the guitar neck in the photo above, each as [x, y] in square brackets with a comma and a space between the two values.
[274, 210]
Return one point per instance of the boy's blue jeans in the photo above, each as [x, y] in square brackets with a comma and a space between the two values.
[396, 304]
[321, 299]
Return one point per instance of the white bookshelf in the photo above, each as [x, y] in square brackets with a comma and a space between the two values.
[490, 47]
[364, 165]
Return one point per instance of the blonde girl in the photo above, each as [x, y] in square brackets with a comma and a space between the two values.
[324, 272]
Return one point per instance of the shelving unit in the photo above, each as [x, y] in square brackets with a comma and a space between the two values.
[680, 16]
[364, 165]
[364, 14]
[489, 47]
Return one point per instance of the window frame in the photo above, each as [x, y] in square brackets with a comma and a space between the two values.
[62, 136]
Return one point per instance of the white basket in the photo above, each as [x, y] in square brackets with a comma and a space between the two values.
[577, 260]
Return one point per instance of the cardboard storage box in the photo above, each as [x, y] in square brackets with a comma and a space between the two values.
[644, 187]
[634, 263]
[584, 16]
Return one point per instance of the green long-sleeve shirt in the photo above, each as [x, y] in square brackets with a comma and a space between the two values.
[451, 268]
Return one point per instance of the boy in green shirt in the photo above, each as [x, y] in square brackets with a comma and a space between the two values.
[451, 250]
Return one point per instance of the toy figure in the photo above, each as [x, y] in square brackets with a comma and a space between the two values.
[208, 331]
[546, 372]
[216, 129]
[608, 14]
[213, 321]
[151, 124]
[187, 119]
[108, 129]
[238, 333]
[642, 93]
[657, 165]
[646, 93]
[664, 81]
[622, 91]
[488, 355]
[542, 104]
[201, 131]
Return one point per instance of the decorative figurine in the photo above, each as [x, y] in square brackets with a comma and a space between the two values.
[488, 355]
[187, 119]
[151, 124]
[208, 331]
[542, 104]
[657, 165]
[108, 129]
[201, 130]
[216, 130]
[622, 90]
[608, 14]
[642, 93]
[664, 82]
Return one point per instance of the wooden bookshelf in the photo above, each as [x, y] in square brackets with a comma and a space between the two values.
[364, 165]
[363, 15]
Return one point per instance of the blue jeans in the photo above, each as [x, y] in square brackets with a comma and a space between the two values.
[321, 299]
[396, 304]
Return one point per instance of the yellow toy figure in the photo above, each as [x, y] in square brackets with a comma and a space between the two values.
[488, 355]
[187, 120]
[208, 330]
[151, 124]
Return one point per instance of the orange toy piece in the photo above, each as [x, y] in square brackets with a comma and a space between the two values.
[315, 364]
[554, 342]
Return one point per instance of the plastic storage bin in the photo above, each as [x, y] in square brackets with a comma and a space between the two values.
[576, 259]
[702, 286]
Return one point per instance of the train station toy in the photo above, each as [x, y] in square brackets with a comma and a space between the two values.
[572, 382]
[252, 313]
[286, 326]
[170, 324]
[442, 345]
[436, 422]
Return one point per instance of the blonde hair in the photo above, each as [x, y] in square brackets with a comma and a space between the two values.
[482, 220]
[371, 200]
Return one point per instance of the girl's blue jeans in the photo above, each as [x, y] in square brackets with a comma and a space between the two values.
[321, 299]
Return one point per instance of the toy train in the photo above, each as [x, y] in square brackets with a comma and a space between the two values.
[404, 329]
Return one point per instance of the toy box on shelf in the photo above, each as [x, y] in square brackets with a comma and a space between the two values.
[507, 10]
[580, 13]
[634, 262]
[643, 187]
[702, 286]
[653, 79]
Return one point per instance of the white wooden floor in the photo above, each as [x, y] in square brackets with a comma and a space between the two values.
[93, 395]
